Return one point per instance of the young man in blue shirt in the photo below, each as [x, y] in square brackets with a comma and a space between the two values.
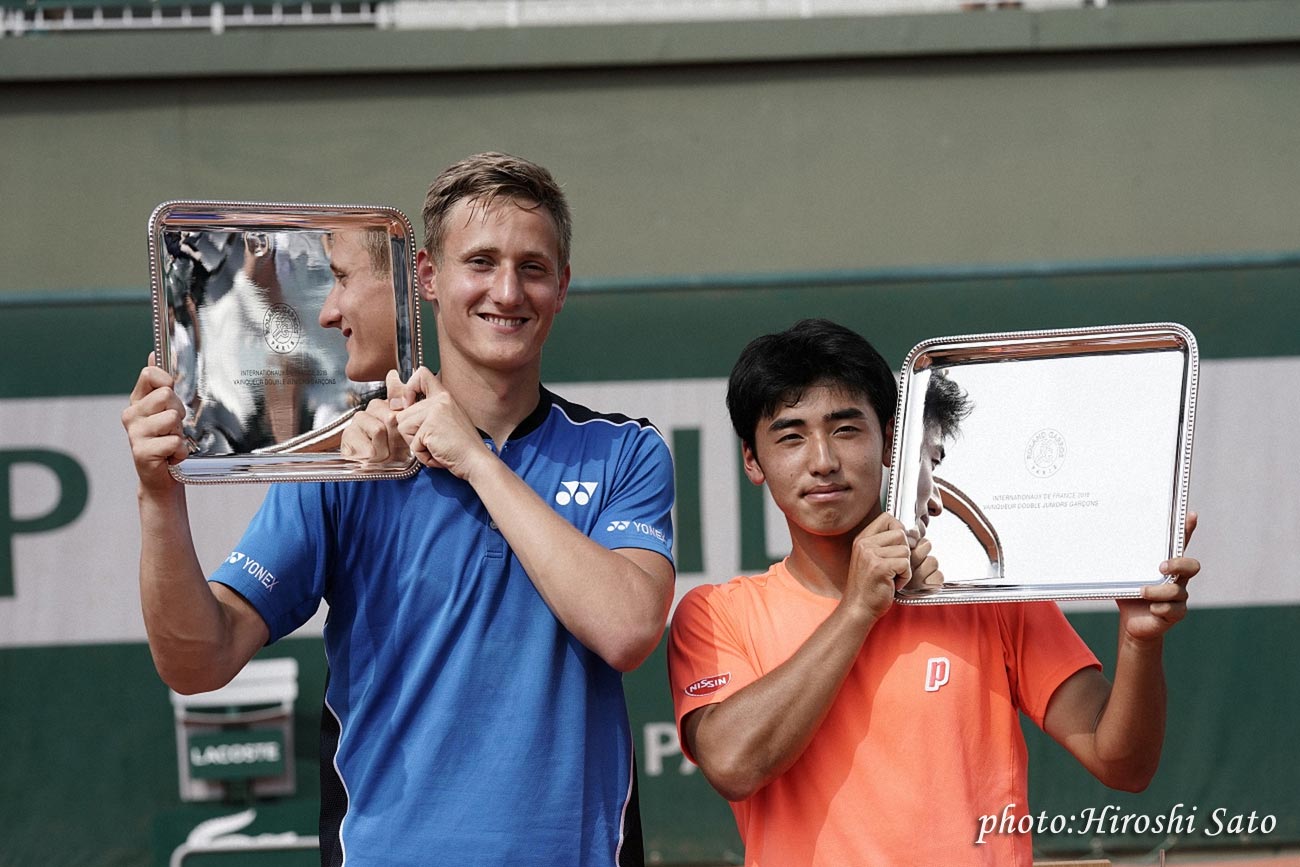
[481, 612]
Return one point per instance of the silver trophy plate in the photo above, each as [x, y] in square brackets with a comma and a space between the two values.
[1046, 465]
[280, 322]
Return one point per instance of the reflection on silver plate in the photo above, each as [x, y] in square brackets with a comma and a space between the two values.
[280, 322]
[1046, 465]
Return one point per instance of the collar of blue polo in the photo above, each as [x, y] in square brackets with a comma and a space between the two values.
[533, 420]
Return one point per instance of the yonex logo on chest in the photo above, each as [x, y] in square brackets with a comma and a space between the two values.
[575, 492]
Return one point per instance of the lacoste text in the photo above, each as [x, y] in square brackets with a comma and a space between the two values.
[235, 754]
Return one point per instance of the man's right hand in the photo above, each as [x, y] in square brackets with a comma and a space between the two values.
[153, 423]
[880, 564]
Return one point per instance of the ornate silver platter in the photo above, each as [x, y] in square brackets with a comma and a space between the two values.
[279, 322]
[1046, 465]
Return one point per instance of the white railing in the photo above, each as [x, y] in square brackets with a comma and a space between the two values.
[474, 14]
[222, 15]
[216, 17]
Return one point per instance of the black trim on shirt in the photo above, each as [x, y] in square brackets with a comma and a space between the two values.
[579, 413]
[632, 852]
[534, 419]
[333, 794]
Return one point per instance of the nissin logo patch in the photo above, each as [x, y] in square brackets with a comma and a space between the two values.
[708, 685]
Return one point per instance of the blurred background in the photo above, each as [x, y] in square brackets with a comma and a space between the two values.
[912, 169]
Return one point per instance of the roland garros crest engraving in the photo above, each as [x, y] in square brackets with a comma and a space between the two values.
[282, 328]
[1045, 453]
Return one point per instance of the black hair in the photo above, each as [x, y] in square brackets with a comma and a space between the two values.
[778, 368]
[946, 405]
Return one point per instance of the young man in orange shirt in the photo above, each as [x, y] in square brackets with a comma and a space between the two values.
[810, 701]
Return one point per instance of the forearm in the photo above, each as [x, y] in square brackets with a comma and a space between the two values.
[187, 626]
[1131, 729]
[754, 736]
[610, 604]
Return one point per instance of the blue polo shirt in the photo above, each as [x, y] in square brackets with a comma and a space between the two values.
[463, 723]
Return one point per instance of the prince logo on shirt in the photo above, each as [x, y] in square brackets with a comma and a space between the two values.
[936, 673]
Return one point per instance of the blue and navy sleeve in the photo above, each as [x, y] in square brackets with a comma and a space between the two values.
[281, 563]
[639, 510]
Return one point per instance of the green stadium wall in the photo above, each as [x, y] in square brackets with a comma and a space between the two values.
[92, 766]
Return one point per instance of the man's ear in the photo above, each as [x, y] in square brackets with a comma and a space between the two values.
[752, 467]
[426, 272]
[887, 455]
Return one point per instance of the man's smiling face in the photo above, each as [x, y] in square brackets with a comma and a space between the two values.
[497, 285]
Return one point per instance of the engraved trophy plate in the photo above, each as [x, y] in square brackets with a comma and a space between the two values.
[280, 322]
[1046, 465]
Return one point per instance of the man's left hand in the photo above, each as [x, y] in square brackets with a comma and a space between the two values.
[1162, 605]
[434, 425]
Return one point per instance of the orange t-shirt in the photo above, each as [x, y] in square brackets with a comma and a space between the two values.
[922, 740]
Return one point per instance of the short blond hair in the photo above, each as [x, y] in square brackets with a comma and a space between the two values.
[485, 177]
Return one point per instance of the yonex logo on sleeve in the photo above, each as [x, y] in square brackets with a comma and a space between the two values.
[575, 492]
[254, 568]
[639, 527]
[937, 669]
[708, 685]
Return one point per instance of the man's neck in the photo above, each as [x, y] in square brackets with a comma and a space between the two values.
[821, 563]
[495, 402]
